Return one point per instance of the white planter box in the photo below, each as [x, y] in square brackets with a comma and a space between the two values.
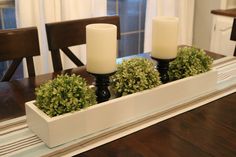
[61, 129]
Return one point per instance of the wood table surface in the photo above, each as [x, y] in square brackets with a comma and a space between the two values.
[209, 130]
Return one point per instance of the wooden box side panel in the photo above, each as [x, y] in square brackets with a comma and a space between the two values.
[36, 122]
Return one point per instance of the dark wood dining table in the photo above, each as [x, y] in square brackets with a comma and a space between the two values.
[207, 131]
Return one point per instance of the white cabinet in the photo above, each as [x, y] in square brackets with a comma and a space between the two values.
[220, 36]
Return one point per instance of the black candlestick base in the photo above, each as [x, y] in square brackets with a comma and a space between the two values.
[102, 83]
[163, 67]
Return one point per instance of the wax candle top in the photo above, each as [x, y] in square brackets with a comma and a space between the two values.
[164, 37]
[101, 43]
[101, 26]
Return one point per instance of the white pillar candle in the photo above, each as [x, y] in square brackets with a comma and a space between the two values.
[164, 37]
[101, 48]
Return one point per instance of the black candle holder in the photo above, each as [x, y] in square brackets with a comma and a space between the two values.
[102, 83]
[163, 67]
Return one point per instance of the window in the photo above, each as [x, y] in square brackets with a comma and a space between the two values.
[8, 21]
[132, 23]
[7, 14]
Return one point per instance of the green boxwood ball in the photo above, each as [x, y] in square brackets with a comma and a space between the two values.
[189, 61]
[134, 75]
[64, 94]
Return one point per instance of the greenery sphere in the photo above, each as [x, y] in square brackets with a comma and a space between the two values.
[189, 61]
[134, 75]
[64, 94]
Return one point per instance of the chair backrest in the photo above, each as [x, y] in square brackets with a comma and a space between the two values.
[17, 44]
[233, 34]
[62, 35]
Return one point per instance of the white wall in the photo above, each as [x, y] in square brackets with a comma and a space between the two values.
[231, 3]
[203, 22]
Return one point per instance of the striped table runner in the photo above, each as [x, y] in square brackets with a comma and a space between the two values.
[17, 140]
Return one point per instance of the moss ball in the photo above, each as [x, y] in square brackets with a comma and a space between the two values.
[64, 94]
[135, 75]
[189, 61]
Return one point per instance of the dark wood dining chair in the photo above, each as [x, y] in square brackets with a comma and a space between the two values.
[17, 44]
[233, 34]
[62, 35]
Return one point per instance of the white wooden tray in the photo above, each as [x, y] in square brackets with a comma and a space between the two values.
[64, 128]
